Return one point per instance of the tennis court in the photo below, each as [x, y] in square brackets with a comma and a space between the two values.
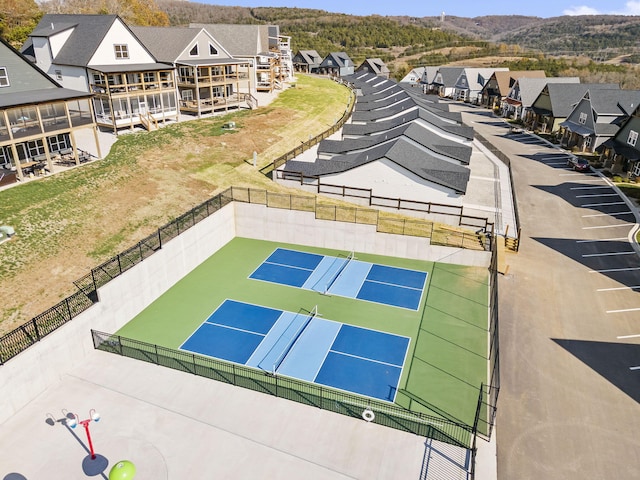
[344, 276]
[303, 346]
[445, 358]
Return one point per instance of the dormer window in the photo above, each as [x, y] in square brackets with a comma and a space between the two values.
[4, 77]
[583, 118]
[122, 51]
[213, 50]
[633, 138]
[194, 51]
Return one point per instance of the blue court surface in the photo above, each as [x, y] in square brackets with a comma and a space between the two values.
[303, 346]
[346, 277]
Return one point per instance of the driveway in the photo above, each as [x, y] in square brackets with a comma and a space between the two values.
[569, 321]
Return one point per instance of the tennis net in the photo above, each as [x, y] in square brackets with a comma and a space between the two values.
[336, 275]
[278, 361]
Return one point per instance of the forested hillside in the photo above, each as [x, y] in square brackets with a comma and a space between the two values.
[576, 46]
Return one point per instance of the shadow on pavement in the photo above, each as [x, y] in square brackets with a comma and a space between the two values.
[621, 268]
[614, 361]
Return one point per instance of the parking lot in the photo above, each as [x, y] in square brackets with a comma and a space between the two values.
[569, 329]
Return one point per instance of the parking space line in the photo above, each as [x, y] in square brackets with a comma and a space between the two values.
[607, 226]
[590, 195]
[607, 204]
[612, 214]
[627, 336]
[634, 287]
[608, 254]
[587, 180]
[582, 174]
[609, 270]
[590, 187]
[634, 368]
[602, 240]
[624, 311]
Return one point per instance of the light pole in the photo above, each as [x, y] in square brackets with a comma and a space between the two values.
[74, 421]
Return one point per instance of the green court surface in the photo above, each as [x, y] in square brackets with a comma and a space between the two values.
[447, 358]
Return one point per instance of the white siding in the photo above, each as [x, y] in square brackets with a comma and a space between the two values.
[42, 53]
[120, 35]
[58, 40]
[74, 78]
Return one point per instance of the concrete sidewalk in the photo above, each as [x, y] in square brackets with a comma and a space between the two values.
[173, 425]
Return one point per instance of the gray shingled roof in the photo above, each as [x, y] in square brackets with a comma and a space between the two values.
[341, 59]
[402, 153]
[564, 96]
[614, 102]
[239, 40]
[449, 75]
[45, 95]
[413, 131]
[88, 32]
[166, 43]
[389, 102]
[371, 128]
[310, 57]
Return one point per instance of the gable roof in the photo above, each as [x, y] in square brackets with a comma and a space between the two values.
[477, 77]
[28, 84]
[564, 96]
[341, 59]
[400, 152]
[448, 75]
[418, 114]
[413, 131]
[375, 65]
[239, 40]
[310, 57]
[531, 87]
[506, 79]
[88, 33]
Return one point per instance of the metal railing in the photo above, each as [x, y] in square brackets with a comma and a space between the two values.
[512, 243]
[304, 146]
[325, 398]
[27, 334]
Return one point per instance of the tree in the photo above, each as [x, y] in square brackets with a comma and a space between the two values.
[133, 12]
[17, 19]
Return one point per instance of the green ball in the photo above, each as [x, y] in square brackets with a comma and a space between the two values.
[122, 470]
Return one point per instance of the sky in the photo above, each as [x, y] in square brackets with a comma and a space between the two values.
[461, 8]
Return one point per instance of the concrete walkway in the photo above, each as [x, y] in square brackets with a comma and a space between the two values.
[173, 425]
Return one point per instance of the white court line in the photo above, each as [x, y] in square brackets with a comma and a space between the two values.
[590, 187]
[625, 310]
[635, 287]
[634, 368]
[609, 270]
[608, 226]
[602, 240]
[607, 204]
[612, 214]
[609, 254]
[627, 336]
[598, 195]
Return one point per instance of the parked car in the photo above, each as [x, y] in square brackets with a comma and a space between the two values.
[579, 164]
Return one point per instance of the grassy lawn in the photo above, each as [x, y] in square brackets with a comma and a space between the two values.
[68, 223]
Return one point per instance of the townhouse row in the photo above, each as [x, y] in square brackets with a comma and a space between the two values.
[600, 119]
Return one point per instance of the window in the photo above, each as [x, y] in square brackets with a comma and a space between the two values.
[149, 77]
[122, 51]
[4, 77]
[633, 138]
[636, 169]
[187, 95]
[58, 74]
[58, 142]
[194, 51]
[583, 118]
[212, 50]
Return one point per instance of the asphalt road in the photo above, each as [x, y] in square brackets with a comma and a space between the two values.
[569, 322]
